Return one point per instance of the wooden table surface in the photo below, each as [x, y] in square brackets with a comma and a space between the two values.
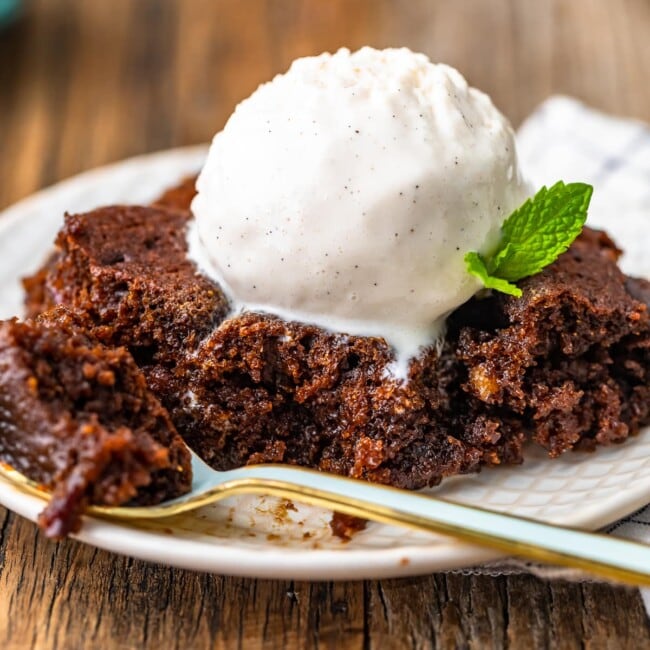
[86, 82]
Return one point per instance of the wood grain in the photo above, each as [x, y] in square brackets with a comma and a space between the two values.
[86, 82]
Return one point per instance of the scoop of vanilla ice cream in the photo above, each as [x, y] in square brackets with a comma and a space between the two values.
[347, 192]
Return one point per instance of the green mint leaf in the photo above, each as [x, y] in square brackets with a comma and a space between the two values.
[476, 266]
[540, 230]
[533, 236]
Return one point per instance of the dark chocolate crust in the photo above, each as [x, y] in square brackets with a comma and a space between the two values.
[566, 365]
[78, 418]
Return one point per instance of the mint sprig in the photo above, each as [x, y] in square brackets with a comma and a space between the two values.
[533, 236]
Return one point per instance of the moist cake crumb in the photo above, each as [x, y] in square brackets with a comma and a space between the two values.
[78, 418]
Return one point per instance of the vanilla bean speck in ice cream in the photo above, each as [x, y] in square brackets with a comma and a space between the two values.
[347, 191]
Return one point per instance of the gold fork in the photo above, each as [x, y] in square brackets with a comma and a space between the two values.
[601, 555]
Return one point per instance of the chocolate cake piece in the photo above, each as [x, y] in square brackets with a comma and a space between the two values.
[565, 365]
[78, 418]
[572, 356]
[125, 268]
[260, 389]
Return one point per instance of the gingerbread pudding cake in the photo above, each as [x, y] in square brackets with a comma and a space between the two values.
[176, 319]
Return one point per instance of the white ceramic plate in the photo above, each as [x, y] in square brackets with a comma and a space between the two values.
[272, 539]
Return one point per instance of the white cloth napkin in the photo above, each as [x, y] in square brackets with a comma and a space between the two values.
[565, 140]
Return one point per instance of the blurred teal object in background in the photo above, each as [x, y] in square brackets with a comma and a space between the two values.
[8, 11]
